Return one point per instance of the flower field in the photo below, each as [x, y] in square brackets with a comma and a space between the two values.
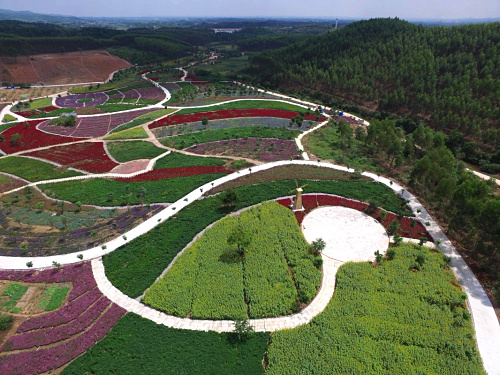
[87, 156]
[386, 320]
[95, 126]
[187, 140]
[410, 227]
[231, 124]
[53, 339]
[74, 234]
[263, 149]
[228, 113]
[211, 281]
[30, 137]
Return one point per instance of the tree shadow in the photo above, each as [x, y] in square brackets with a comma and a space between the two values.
[231, 256]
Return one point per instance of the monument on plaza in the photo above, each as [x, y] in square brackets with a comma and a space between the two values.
[297, 202]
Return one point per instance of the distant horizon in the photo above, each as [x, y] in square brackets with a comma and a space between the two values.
[263, 17]
[268, 9]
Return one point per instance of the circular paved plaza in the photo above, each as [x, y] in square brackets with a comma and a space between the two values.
[350, 235]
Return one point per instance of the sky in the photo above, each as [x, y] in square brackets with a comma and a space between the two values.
[406, 9]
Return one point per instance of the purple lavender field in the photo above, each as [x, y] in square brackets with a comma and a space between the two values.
[263, 149]
[94, 126]
[52, 340]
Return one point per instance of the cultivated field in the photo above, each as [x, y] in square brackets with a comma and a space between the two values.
[61, 68]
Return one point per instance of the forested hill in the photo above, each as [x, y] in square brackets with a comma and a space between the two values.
[448, 76]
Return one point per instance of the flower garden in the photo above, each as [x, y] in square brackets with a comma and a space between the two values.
[406, 310]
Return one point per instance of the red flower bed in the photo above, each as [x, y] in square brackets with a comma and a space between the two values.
[410, 227]
[30, 138]
[50, 108]
[88, 156]
[228, 113]
[161, 174]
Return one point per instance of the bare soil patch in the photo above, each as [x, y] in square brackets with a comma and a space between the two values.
[61, 68]
[131, 166]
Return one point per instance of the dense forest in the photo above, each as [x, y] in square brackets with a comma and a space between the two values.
[445, 76]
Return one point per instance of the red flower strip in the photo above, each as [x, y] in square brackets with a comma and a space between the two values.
[410, 227]
[30, 138]
[88, 156]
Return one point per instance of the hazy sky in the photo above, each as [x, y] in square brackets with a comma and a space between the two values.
[263, 8]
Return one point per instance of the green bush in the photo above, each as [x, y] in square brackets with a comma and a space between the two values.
[5, 320]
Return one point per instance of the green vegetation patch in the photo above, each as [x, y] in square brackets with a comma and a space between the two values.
[173, 351]
[338, 143]
[133, 267]
[40, 103]
[187, 89]
[391, 319]
[246, 104]
[55, 296]
[217, 280]
[84, 100]
[187, 140]
[34, 170]
[143, 119]
[5, 320]
[102, 192]
[178, 160]
[8, 118]
[134, 133]
[134, 150]
[15, 292]
[67, 121]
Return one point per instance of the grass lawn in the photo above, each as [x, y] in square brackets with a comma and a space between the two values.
[325, 143]
[134, 133]
[246, 104]
[136, 344]
[8, 118]
[178, 160]
[134, 150]
[187, 140]
[211, 280]
[228, 67]
[102, 192]
[34, 170]
[392, 319]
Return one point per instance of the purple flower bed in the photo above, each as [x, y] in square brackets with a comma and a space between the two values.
[74, 240]
[151, 93]
[53, 334]
[43, 360]
[71, 101]
[265, 149]
[95, 126]
[64, 315]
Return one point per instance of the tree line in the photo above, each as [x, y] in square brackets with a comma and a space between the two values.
[446, 76]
